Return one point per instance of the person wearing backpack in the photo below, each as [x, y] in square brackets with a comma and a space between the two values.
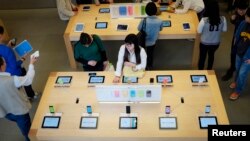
[90, 52]
[242, 42]
[153, 26]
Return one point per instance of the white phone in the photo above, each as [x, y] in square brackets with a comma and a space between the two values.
[35, 54]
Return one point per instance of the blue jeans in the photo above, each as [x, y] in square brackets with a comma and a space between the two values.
[23, 122]
[242, 69]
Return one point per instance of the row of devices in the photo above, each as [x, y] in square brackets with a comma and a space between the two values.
[123, 27]
[128, 122]
[160, 79]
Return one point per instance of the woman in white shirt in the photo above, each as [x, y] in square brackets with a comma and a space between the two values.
[197, 5]
[131, 55]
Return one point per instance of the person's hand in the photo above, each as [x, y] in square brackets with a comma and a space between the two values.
[92, 63]
[105, 63]
[247, 61]
[129, 64]
[233, 17]
[75, 9]
[116, 79]
[33, 60]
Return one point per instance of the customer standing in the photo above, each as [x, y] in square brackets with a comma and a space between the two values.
[242, 43]
[236, 19]
[153, 27]
[196, 5]
[210, 29]
[66, 9]
[14, 104]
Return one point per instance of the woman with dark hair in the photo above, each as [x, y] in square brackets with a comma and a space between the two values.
[210, 29]
[153, 27]
[131, 55]
[90, 51]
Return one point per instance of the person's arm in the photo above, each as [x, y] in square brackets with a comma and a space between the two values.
[28, 78]
[143, 63]
[200, 26]
[77, 55]
[224, 29]
[177, 3]
[185, 9]
[120, 61]
[140, 25]
[12, 64]
[61, 5]
[101, 47]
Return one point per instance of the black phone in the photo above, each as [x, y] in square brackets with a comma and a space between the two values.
[128, 109]
[186, 26]
[86, 7]
[207, 109]
[51, 109]
[89, 109]
[151, 80]
[182, 100]
[167, 109]
[92, 74]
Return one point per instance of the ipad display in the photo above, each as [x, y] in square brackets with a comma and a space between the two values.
[104, 10]
[101, 25]
[162, 78]
[23, 48]
[168, 122]
[122, 27]
[126, 79]
[128, 123]
[198, 78]
[186, 26]
[51, 122]
[163, 8]
[166, 23]
[63, 79]
[89, 122]
[79, 27]
[204, 121]
[96, 79]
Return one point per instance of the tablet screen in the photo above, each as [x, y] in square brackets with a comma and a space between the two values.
[126, 79]
[104, 10]
[128, 123]
[198, 78]
[122, 27]
[162, 78]
[63, 79]
[79, 27]
[101, 25]
[96, 79]
[51, 122]
[89, 122]
[204, 121]
[166, 23]
[163, 8]
[168, 122]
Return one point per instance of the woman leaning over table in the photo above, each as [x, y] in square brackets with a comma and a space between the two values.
[131, 55]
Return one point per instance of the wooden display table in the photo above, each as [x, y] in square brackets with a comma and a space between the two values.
[64, 100]
[89, 18]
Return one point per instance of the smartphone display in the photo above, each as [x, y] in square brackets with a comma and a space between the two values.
[151, 80]
[186, 26]
[89, 109]
[167, 109]
[128, 109]
[207, 109]
[51, 109]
